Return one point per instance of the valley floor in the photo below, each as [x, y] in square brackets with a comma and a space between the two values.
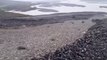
[28, 38]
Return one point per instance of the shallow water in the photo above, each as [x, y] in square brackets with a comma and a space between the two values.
[66, 9]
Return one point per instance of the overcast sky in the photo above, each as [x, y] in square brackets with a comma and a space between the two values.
[41, 0]
[95, 1]
[91, 1]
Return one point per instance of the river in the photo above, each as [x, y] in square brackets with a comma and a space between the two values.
[94, 7]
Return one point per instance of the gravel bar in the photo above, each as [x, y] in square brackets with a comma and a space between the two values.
[92, 46]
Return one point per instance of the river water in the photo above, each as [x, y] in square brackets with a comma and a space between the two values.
[95, 7]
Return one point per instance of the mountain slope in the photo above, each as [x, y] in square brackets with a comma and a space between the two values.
[4, 14]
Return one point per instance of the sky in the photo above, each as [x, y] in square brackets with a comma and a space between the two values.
[41, 0]
[91, 1]
[95, 1]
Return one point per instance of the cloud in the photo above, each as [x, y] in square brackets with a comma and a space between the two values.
[95, 1]
[40, 0]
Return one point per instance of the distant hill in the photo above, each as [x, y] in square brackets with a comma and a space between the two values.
[16, 5]
[7, 5]
[6, 15]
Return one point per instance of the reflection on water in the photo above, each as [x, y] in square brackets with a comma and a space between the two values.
[65, 9]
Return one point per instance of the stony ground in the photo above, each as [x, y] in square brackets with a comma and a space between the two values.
[16, 44]
[47, 34]
[29, 21]
[93, 46]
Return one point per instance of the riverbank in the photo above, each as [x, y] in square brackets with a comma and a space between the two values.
[32, 21]
[28, 38]
[92, 46]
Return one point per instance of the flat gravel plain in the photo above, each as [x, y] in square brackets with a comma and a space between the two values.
[92, 46]
[54, 37]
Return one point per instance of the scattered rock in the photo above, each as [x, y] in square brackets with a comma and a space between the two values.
[34, 58]
[78, 29]
[48, 26]
[72, 22]
[21, 48]
[83, 22]
[92, 46]
[84, 32]
[23, 26]
[73, 16]
[1, 41]
[52, 39]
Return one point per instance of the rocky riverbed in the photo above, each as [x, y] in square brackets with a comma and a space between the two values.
[30, 21]
[92, 46]
[52, 37]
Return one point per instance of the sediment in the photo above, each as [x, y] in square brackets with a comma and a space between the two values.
[92, 46]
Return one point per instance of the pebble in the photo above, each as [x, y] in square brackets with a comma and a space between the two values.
[87, 48]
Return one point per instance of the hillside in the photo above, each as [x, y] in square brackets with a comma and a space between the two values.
[4, 14]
